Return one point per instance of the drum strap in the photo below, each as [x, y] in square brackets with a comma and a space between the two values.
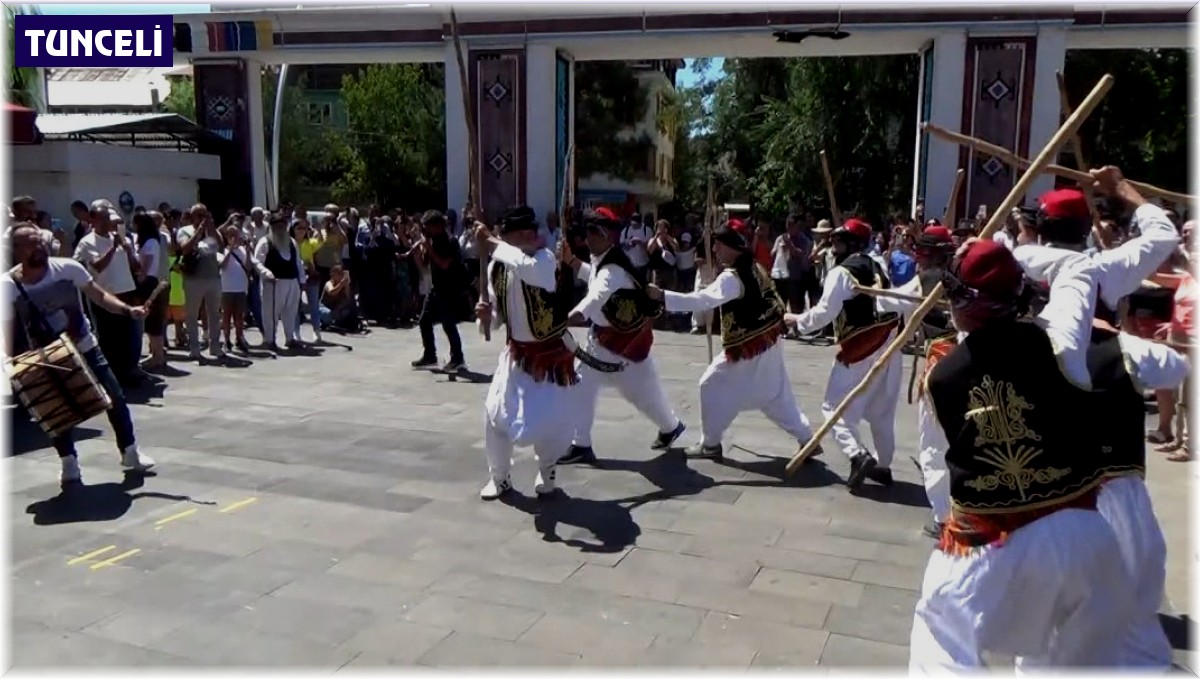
[55, 378]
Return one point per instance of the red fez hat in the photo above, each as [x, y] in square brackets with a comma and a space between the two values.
[937, 233]
[738, 226]
[857, 228]
[934, 222]
[1065, 204]
[606, 213]
[990, 269]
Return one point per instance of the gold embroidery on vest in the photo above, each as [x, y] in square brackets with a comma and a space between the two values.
[998, 412]
[626, 311]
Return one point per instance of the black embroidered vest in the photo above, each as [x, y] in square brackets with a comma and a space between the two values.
[282, 269]
[1005, 407]
[858, 313]
[1116, 401]
[546, 310]
[751, 323]
[628, 309]
[937, 322]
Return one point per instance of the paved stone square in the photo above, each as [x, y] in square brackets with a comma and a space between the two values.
[322, 511]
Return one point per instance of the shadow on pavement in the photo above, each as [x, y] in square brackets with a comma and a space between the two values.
[80, 503]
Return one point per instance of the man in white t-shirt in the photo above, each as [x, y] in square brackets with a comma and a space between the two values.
[109, 256]
[634, 239]
[42, 294]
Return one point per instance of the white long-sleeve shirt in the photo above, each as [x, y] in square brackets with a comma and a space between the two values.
[726, 288]
[602, 282]
[1153, 365]
[839, 289]
[260, 258]
[1123, 268]
[537, 270]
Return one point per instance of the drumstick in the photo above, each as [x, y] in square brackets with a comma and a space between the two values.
[1018, 190]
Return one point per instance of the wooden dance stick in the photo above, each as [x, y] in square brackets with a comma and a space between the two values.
[877, 292]
[949, 219]
[1064, 172]
[833, 207]
[1018, 190]
[1077, 151]
[473, 202]
[710, 219]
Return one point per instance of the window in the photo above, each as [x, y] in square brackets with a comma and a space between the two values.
[320, 113]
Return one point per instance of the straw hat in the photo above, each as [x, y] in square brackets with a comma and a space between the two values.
[823, 226]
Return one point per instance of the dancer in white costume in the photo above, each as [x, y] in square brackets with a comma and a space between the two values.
[1024, 566]
[533, 399]
[622, 318]
[1125, 365]
[749, 373]
[863, 327]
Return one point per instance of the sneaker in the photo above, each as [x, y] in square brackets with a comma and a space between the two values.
[703, 452]
[665, 440]
[544, 485]
[933, 529]
[425, 362]
[882, 476]
[577, 454]
[454, 365]
[70, 470]
[134, 461]
[495, 489]
[697, 331]
[860, 466]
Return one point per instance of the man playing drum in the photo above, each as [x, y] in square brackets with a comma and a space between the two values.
[42, 294]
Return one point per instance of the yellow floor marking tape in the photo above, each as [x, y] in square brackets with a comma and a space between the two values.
[180, 515]
[90, 555]
[239, 504]
[119, 557]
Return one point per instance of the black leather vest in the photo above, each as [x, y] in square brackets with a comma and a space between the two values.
[1007, 411]
[1116, 401]
[282, 269]
[546, 310]
[628, 309]
[858, 313]
[757, 312]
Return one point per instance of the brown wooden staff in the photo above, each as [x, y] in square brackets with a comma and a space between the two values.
[473, 201]
[833, 206]
[1018, 190]
[1065, 172]
[950, 217]
[710, 222]
[1077, 151]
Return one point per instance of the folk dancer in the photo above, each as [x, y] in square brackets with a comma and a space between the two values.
[1024, 565]
[1063, 224]
[532, 398]
[44, 292]
[622, 318]
[933, 250]
[749, 373]
[863, 326]
[277, 260]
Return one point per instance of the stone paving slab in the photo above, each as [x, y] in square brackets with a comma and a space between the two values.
[322, 511]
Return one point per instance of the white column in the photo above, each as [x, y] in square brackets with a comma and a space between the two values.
[949, 63]
[1047, 110]
[540, 83]
[259, 179]
[457, 170]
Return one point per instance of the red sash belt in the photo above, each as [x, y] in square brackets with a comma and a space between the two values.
[755, 345]
[546, 360]
[964, 532]
[865, 342]
[634, 345]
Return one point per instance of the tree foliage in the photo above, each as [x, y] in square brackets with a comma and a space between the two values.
[395, 143]
[1142, 125]
[24, 84]
[608, 98]
[181, 100]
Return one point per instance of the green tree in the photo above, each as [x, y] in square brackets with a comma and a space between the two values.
[181, 100]
[608, 98]
[395, 142]
[24, 84]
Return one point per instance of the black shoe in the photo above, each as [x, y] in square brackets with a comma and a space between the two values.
[425, 362]
[454, 365]
[664, 441]
[933, 529]
[881, 476]
[577, 454]
[860, 465]
[702, 452]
